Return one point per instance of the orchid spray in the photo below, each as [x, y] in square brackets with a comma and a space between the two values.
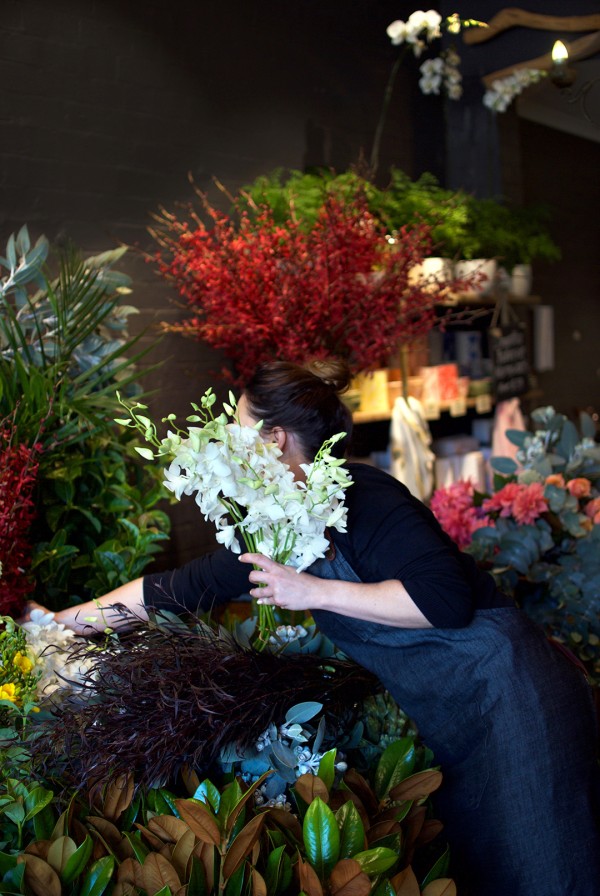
[241, 485]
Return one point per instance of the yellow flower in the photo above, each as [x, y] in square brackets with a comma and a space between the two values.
[8, 692]
[22, 663]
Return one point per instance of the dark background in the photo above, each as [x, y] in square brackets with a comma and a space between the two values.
[107, 106]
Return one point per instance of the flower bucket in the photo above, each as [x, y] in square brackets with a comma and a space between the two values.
[520, 281]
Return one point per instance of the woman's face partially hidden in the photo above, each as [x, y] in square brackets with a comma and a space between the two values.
[243, 414]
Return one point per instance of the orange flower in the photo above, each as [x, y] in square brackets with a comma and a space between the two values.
[579, 488]
[556, 479]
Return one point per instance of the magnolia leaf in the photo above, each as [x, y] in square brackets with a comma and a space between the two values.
[60, 852]
[40, 877]
[309, 882]
[288, 822]
[157, 873]
[352, 830]
[110, 832]
[77, 861]
[348, 879]
[130, 872]
[167, 827]
[327, 768]
[396, 763]
[377, 860]
[309, 787]
[438, 869]
[321, 837]
[117, 797]
[182, 853]
[242, 845]
[279, 871]
[405, 883]
[417, 786]
[200, 821]
[443, 886]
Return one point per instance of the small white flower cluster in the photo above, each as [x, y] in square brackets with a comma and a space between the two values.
[442, 73]
[285, 634]
[277, 802]
[242, 486]
[418, 31]
[504, 90]
[49, 645]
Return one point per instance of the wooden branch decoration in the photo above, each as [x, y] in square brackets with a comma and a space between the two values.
[579, 49]
[513, 17]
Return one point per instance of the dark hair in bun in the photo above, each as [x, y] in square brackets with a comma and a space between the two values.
[303, 400]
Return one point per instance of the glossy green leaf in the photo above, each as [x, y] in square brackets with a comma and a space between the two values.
[140, 850]
[77, 862]
[197, 885]
[7, 862]
[210, 794]
[321, 837]
[352, 830]
[98, 877]
[37, 800]
[396, 763]
[438, 869]
[376, 861]
[278, 872]
[327, 768]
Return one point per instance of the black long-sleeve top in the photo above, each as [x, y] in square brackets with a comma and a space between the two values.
[390, 535]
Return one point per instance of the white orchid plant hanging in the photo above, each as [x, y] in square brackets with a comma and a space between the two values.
[242, 486]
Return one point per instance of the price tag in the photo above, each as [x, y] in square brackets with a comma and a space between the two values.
[431, 409]
[483, 404]
[458, 407]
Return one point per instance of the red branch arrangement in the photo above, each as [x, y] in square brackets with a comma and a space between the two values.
[260, 291]
[18, 472]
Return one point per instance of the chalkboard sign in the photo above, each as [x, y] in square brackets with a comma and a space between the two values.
[508, 352]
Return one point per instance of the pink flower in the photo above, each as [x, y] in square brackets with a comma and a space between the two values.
[529, 504]
[503, 499]
[453, 508]
[592, 509]
[579, 488]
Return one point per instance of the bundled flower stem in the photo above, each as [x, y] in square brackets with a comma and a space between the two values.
[243, 487]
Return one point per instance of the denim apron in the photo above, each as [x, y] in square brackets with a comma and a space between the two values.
[512, 725]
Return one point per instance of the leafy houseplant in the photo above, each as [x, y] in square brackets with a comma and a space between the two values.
[63, 349]
[539, 533]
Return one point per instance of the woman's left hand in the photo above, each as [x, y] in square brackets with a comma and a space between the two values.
[281, 585]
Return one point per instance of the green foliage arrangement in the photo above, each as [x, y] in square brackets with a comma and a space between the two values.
[64, 350]
[462, 225]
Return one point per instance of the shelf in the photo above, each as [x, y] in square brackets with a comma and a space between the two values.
[485, 402]
[490, 300]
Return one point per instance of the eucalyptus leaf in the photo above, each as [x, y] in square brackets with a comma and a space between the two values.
[303, 712]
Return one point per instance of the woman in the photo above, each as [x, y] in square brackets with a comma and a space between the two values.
[509, 719]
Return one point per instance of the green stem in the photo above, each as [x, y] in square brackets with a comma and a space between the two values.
[387, 96]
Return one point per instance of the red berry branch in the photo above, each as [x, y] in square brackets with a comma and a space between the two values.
[260, 291]
[18, 472]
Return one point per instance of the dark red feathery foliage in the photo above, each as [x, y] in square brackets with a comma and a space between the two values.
[162, 698]
[260, 291]
[18, 472]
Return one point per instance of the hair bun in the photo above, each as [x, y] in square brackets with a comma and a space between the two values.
[333, 372]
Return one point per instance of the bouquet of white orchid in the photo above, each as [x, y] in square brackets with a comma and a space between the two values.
[241, 485]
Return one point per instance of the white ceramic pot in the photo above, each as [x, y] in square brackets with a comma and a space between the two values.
[432, 274]
[520, 281]
[481, 270]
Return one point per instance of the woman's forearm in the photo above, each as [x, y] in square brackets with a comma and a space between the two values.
[386, 602]
[107, 611]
